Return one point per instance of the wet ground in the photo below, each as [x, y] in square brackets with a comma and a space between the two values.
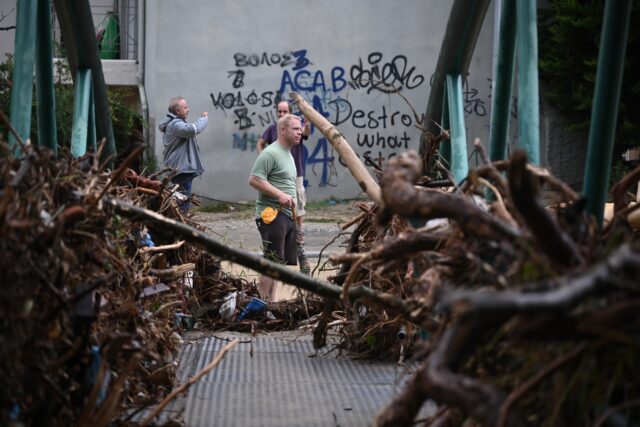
[324, 235]
[322, 228]
[278, 379]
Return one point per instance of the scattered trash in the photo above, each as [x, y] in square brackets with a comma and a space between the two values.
[183, 321]
[228, 307]
[187, 280]
[255, 306]
[158, 288]
[145, 239]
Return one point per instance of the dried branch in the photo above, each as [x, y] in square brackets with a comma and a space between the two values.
[13, 130]
[173, 272]
[475, 313]
[254, 262]
[215, 362]
[619, 191]
[565, 291]
[567, 192]
[153, 249]
[554, 241]
[535, 380]
[403, 199]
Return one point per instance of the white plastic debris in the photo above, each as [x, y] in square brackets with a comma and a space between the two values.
[228, 306]
[187, 280]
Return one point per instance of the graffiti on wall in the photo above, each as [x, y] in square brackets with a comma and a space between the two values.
[354, 97]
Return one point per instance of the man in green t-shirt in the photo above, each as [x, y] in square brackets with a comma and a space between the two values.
[274, 176]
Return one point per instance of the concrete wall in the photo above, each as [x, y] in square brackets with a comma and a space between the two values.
[233, 57]
[7, 19]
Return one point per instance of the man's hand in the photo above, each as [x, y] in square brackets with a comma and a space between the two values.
[205, 114]
[286, 200]
[260, 145]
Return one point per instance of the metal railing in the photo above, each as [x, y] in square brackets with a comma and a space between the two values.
[518, 37]
[125, 13]
[33, 49]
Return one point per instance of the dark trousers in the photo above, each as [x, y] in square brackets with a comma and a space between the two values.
[184, 180]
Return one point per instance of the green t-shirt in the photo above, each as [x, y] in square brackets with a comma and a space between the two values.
[276, 165]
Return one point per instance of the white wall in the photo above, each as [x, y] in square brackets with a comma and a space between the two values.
[8, 11]
[198, 48]
[231, 57]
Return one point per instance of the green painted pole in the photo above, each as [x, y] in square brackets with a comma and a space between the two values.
[91, 126]
[45, 92]
[501, 102]
[606, 99]
[459, 162]
[459, 41]
[528, 94]
[78, 33]
[81, 106]
[445, 146]
[22, 85]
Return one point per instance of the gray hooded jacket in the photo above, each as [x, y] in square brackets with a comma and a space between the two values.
[180, 146]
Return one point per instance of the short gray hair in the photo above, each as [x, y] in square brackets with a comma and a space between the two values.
[173, 104]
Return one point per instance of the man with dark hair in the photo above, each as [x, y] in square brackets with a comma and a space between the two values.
[181, 151]
[274, 176]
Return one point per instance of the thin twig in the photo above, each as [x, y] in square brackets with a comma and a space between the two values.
[152, 249]
[13, 130]
[192, 380]
[624, 405]
[535, 380]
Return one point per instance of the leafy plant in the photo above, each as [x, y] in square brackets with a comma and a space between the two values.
[569, 40]
[127, 123]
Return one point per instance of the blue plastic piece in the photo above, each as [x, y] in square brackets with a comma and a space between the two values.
[256, 305]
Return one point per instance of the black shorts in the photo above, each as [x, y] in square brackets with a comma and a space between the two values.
[279, 240]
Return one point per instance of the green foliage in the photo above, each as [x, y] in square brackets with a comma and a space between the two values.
[569, 39]
[127, 123]
[6, 69]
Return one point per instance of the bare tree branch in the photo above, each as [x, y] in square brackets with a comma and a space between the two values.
[402, 198]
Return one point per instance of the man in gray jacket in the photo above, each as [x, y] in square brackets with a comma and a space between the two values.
[181, 151]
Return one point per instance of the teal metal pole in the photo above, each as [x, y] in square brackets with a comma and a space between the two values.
[91, 126]
[463, 27]
[528, 95]
[22, 85]
[501, 103]
[445, 146]
[459, 162]
[45, 92]
[81, 106]
[78, 33]
[604, 112]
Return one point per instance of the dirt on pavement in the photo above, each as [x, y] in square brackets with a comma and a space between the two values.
[235, 226]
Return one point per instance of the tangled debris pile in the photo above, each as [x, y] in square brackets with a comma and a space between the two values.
[92, 302]
[532, 311]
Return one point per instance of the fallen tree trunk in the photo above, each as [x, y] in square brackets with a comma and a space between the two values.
[255, 262]
[346, 153]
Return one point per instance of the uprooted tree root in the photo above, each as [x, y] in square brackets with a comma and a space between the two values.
[531, 309]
